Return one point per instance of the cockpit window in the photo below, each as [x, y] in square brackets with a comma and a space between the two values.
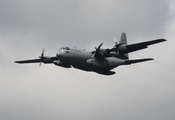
[64, 49]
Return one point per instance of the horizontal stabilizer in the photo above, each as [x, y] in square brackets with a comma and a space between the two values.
[128, 62]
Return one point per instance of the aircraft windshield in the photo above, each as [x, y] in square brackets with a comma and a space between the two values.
[64, 49]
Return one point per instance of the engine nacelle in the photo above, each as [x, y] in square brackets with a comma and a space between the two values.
[114, 54]
[47, 60]
[123, 49]
[58, 63]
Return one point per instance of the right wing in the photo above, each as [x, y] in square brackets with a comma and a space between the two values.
[44, 60]
[29, 61]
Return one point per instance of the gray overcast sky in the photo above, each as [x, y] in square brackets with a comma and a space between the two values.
[140, 91]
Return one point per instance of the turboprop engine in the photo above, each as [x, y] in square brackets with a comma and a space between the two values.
[58, 63]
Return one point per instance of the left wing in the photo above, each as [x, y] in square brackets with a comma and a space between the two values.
[142, 45]
[128, 62]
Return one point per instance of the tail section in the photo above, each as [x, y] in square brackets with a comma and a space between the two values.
[123, 40]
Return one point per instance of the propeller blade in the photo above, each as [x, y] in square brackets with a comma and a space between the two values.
[94, 47]
[42, 56]
[93, 55]
[97, 51]
[116, 46]
[115, 40]
[100, 46]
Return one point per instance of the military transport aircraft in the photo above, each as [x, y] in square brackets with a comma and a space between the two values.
[100, 60]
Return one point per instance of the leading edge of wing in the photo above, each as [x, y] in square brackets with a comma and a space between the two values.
[143, 45]
[28, 61]
[44, 60]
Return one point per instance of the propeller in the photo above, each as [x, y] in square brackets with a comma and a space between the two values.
[97, 50]
[115, 40]
[42, 56]
[116, 47]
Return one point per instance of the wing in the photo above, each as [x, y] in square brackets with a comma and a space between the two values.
[29, 61]
[142, 45]
[44, 60]
[128, 62]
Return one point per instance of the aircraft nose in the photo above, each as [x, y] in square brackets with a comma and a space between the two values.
[59, 54]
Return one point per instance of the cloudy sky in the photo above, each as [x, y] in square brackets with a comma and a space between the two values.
[137, 92]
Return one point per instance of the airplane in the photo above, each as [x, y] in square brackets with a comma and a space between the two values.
[100, 60]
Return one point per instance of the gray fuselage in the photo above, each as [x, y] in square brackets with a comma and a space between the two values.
[82, 59]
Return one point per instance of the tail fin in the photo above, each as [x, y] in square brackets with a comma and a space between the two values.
[123, 39]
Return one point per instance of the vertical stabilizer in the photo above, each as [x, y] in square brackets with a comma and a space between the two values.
[123, 40]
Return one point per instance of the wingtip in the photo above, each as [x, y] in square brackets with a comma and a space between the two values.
[162, 40]
[150, 58]
[16, 62]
